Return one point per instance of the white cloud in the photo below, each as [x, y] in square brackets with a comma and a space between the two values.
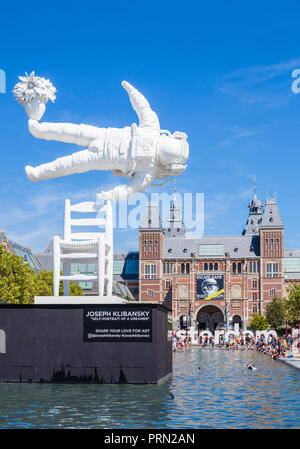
[267, 85]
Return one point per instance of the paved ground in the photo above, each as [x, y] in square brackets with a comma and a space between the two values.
[295, 361]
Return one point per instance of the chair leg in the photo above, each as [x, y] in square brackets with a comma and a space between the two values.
[56, 265]
[101, 265]
[109, 273]
[66, 272]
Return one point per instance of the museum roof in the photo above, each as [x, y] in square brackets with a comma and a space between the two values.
[292, 276]
[126, 264]
[240, 246]
[271, 216]
[22, 251]
[292, 253]
[151, 219]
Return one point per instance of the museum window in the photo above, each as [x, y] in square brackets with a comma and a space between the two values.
[254, 283]
[216, 267]
[168, 267]
[277, 244]
[250, 267]
[155, 245]
[187, 268]
[272, 292]
[150, 293]
[254, 309]
[168, 285]
[275, 270]
[153, 271]
[239, 267]
[234, 267]
[292, 264]
[211, 267]
[211, 250]
[254, 296]
[266, 244]
[182, 268]
[150, 271]
[150, 245]
[205, 266]
[145, 245]
[272, 270]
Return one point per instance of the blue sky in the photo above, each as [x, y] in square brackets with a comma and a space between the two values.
[219, 71]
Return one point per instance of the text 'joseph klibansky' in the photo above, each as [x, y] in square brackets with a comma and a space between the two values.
[124, 313]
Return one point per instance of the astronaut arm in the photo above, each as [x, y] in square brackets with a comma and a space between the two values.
[139, 182]
[147, 117]
[81, 135]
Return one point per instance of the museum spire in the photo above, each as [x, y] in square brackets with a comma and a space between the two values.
[175, 226]
[255, 214]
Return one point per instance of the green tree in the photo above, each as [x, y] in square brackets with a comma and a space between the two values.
[276, 313]
[293, 304]
[258, 323]
[17, 279]
[19, 283]
[45, 285]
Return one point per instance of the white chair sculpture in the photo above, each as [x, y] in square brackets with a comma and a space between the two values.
[85, 246]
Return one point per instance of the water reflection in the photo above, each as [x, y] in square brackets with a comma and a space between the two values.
[223, 393]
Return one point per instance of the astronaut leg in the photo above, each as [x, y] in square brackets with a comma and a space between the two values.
[79, 162]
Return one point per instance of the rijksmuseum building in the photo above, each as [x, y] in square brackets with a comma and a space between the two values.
[212, 281]
[205, 282]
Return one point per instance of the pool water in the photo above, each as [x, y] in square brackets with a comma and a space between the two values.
[208, 389]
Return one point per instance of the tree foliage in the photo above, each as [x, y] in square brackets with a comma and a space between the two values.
[276, 313]
[19, 283]
[258, 323]
[17, 279]
[292, 304]
[45, 280]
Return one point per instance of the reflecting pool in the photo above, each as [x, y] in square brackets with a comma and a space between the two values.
[208, 389]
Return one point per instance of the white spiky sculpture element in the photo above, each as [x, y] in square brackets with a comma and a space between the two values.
[33, 92]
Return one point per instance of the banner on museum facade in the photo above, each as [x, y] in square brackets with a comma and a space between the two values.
[210, 287]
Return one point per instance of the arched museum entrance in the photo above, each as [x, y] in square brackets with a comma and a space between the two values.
[209, 317]
[237, 319]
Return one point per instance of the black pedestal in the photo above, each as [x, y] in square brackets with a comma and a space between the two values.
[84, 343]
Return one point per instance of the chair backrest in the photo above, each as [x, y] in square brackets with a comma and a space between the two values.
[103, 218]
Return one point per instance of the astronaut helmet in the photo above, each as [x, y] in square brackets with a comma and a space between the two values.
[173, 148]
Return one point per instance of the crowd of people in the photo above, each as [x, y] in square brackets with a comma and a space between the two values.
[274, 346]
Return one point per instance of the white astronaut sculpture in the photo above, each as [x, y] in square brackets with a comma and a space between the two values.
[142, 153]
